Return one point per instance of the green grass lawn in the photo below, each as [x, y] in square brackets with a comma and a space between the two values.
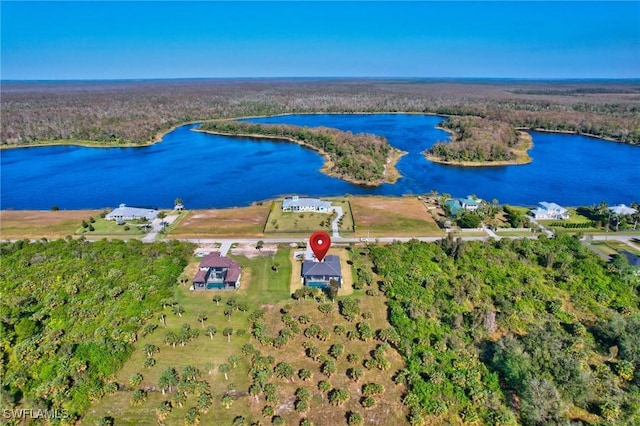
[110, 227]
[305, 222]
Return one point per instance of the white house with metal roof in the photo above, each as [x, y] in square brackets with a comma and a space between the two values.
[298, 204]
[124, 212]
[622, 210]
[550, 211]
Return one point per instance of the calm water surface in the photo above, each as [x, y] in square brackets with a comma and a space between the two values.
[215, 171]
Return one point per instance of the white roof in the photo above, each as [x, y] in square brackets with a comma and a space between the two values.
[306, 202]
[125, 212]
[552, 206]
[622, 210]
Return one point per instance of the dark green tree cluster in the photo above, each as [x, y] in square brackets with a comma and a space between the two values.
[504, 331]
[361, 157]
[71, 310]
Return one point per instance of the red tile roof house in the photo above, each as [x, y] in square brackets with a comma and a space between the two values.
[217, 272]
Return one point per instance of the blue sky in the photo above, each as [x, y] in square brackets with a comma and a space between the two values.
[116, 40]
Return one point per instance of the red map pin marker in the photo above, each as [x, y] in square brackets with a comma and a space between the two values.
[320, 243]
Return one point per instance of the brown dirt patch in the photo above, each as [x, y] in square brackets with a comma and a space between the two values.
[18, 224]
[250, 251]
[377, 216]
[237, 221]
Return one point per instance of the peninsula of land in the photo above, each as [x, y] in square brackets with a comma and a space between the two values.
[361, 159]
[478, 141]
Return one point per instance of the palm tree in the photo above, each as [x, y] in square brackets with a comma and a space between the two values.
[217, 298]
[202, 317]
[354, 419]
[228, 331]
[204, 402]
[224, 369]
[135, 380]
[305, 374]
[163, 319]
[138, 397]
[227, 401]
[192, 417]
[171, 338]
[150, 349]
[354, 374]
[255, 390]
[169, 378]
[211, 331]
[284, 370]
[179, 398]
[338, 397]
[233, 360]
[178, 310]
[163, 410]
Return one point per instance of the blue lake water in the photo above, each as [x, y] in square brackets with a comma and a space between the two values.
[214, 171]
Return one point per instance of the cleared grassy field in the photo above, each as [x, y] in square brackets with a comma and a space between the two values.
[261, 287]
[19, 224]
[400, 216]
[104, 227]
[307, 222]
[238, 221]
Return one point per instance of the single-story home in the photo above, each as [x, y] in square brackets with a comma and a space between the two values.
[297, 204]
[550, 211]
[217, 272]
[456, 205]
[124, 212]
[318, 274]
[622, 210]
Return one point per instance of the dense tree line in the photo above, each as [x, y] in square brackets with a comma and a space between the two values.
[356, 157]
[70, 312]
[119, 112]
[476, 139]
[530, 331]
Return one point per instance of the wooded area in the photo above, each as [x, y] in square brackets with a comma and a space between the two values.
[359, 158]
[71, 311]
[477, 139]
[513, 331]
[138, 111]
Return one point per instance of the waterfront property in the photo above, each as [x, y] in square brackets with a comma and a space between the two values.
[457, 205]
[550, 211]
[217, 272]
[297, 204]
[124, 212]
[319, 274]
[622, 210]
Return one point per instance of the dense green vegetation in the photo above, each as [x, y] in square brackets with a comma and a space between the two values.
[529, 331]
[355, 157]
[71, 311]
[476, 139]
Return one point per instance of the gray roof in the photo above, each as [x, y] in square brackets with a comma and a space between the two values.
[315, 203]
[330, 267]
[132, 212]
[622, 210]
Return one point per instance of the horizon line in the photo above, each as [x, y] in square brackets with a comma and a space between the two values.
[142, 79]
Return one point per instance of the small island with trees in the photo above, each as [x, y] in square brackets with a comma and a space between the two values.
[480, 141]
[362, 159]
